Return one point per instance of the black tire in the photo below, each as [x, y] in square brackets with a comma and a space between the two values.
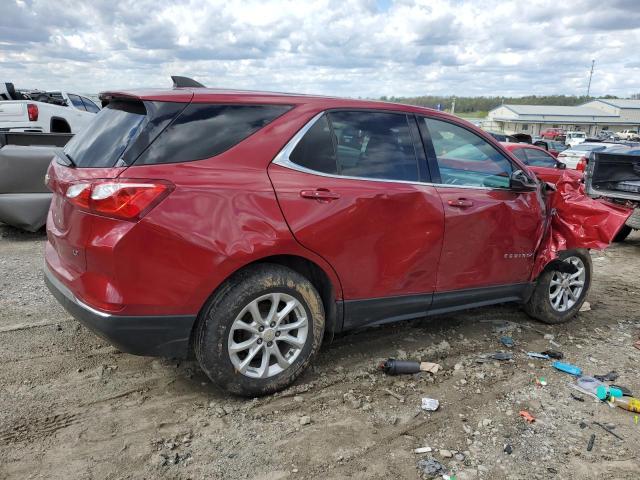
[623, 233]
[216, 319]
[539, 304]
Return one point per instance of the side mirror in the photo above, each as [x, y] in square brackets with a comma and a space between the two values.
[561, 165]
[519, 181]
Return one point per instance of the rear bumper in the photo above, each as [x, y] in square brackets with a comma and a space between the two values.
[158, 336]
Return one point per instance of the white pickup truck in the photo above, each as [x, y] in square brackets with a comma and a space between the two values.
[627, 134]
[44, 112]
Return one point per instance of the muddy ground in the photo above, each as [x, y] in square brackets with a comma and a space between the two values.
[72, 407]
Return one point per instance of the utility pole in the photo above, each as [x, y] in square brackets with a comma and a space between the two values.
[453, 106]
[590, 75]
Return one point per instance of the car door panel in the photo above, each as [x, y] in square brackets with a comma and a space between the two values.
[382, 238]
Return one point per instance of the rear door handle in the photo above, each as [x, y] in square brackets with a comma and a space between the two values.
[320, 194]
[461, 203]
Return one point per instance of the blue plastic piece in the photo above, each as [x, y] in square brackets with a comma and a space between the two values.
[567, 368]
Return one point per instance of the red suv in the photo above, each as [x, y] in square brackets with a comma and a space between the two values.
[243, 226]
[552, 133]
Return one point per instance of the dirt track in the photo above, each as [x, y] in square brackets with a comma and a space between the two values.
[71, 406]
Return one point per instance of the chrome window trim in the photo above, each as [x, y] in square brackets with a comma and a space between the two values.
[282, 159]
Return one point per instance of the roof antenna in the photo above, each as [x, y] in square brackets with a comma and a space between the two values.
[179, 82]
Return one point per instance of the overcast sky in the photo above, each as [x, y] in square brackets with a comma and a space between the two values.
[353, 48]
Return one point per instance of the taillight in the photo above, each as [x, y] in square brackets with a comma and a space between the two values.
[122, 198]
[32, 111]
[582, 164]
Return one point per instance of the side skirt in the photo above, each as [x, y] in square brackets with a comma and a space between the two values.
[376, 311]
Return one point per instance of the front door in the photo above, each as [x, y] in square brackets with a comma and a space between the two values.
[350, 190]
[491, 232]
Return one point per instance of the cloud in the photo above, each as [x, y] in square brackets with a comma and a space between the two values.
[357, 48]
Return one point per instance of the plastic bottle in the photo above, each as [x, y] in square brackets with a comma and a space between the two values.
[628, 403]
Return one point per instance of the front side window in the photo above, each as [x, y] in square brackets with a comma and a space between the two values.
[89, 105]
[465, 158]
[76, 101]
[521, 154]
[538, 158]
[360, 144]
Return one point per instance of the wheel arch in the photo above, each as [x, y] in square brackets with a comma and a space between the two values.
[330, 292]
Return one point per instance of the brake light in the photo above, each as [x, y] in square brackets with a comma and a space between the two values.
[32, 111]
[122, 198]
[582, 164]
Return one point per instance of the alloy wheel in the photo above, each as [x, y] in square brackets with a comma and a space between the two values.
[565, 289]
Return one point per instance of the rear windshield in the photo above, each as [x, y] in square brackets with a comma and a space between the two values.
[128, 132]
[589, 148]
[104, 141]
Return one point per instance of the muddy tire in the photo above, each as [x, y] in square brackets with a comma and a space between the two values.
[260, 330]
[558, 296]
[622, 234]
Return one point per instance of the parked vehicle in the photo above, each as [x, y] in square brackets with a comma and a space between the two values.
[577, 157]
[503, 137]
[44, 112]
[552, 133]
[24, 160]
[243, 225]
[542, 163]
[574, 138]
[614, 173]
[554, 147]
[627, 135]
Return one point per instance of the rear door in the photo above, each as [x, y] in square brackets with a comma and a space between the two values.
[351, 187]
[491, 232]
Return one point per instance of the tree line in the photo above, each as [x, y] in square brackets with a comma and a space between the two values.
[484, 104]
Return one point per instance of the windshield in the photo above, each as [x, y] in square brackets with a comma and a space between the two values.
[588, 148]
[104, 141]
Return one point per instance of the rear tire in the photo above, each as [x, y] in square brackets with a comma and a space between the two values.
[549, 303]
[244, 340]
[623, 233]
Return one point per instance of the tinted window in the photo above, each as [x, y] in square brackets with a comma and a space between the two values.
[205, 130]
[374, 145]
[89, 105]
[537, 158]
[316, 150]
[465, 158]
[76, 101]
[520, 153]
[103, 142]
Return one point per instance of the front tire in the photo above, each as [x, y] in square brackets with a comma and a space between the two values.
[558, 296]
[260, 330]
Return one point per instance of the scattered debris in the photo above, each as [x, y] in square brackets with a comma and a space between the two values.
[430, 404]
[605, 393]
[502, 356]
[625, 391]
[556, 355]
[305, 420]
[555, 344]
[445, 453]
[398, 367]
[527, 416]
[541, 356]
[541, 381]
[592, 439]
[576, 397]
[608, 430]
[507, 341]
[567, 368]
[637, 344]
[508, 449]
[430, 467]
[395, 395]
[612, 376]
[586, 306]
[423, 450]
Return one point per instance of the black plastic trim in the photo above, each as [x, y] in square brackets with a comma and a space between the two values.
[360, 313]
[157, 336]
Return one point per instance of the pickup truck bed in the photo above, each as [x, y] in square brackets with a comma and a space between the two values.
[24, 159]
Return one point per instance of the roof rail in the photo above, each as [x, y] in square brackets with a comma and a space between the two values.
[185, 82]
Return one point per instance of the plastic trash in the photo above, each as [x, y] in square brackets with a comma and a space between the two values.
[612, 376]
[625, 391]
[631, 404]
[606, 393]
[502, 356]
[592, 439]
[430, 466]
[430, 404]
[589, 384]
[556, 355]
[507, 341]
[541, 356]
[527, 416]
[422, 450]
[567, 368]
[397, 367]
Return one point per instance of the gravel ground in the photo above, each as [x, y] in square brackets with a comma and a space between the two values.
[72, 406]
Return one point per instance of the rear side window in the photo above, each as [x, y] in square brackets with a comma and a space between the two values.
[205, 130]
[104, 141]
[76, 101]
[537, 158]
[89, 105]
[360, 144]
[520, 153]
